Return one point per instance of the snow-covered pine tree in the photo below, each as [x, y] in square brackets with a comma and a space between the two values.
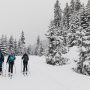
[80, 32]
[85, 49]
[85, 41]
[77, 5]
[72, 6]
[66, 17]
[41, 50]
[84, 19]
[88, 11]
[19, 47]
[22, 38]
[88, 6]
[11, 44]
[57, 14]
[76, 24]
[51, 47]
[15, 47]
[1, 48]
[37, 45]
[56, 27]
[38, 48]
[74, 27]
[22, 41]
[55, 34]
[4, 45]
[65, 42]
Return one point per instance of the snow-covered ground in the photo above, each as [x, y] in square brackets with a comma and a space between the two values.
[45, 77]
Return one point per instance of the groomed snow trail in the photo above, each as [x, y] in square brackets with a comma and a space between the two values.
[44, 77]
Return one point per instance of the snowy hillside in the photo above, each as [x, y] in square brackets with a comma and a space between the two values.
[45, 77]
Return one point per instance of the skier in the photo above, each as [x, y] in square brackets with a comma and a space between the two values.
[1, 61]
[25, 59]
[10, 61]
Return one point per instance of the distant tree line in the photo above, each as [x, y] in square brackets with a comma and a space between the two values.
[19, 46]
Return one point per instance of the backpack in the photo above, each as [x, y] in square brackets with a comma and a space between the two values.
[11, 58]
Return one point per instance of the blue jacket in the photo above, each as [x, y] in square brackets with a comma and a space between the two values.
[11, 58]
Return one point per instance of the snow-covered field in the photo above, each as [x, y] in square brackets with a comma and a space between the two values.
[45, 77]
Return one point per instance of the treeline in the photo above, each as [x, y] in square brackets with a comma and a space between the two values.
[19, 46]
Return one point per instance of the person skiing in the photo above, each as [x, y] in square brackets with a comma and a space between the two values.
[1, 61]
[25, 59]
[10, 61]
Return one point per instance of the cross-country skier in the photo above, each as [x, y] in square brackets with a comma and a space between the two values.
[1, 61]
[10, 61]
[25, 59]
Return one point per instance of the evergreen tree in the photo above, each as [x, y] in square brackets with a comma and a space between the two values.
[57, 14]
[37, 49]
[65, 37]
[11, 43]
[51, 35]
[72, 6]
[38, 40]
[22, 38]
[1, 48]
[88, 12]
[15, 47]
[3, 45]
[66, 17]
[6, 45]
[84, 19]
[86, 40]
[88, 5]
[41, 49]
[72, 37]
[19, 47]
[77, 5]
[2, 39]
[74, 27]
[22, 42]
[85, 48]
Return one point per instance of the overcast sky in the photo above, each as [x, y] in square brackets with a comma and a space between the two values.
[31, 16]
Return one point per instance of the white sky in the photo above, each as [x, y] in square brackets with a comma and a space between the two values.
[31, 16]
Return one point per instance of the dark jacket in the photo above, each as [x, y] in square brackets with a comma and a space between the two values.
[25, 57]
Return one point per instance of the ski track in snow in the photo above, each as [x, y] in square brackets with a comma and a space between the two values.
[45, 77]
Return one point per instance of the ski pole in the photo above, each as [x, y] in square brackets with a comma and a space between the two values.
[6, 69]
[21, 66]
[28, 68]
[14, 68]
[2, 69]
